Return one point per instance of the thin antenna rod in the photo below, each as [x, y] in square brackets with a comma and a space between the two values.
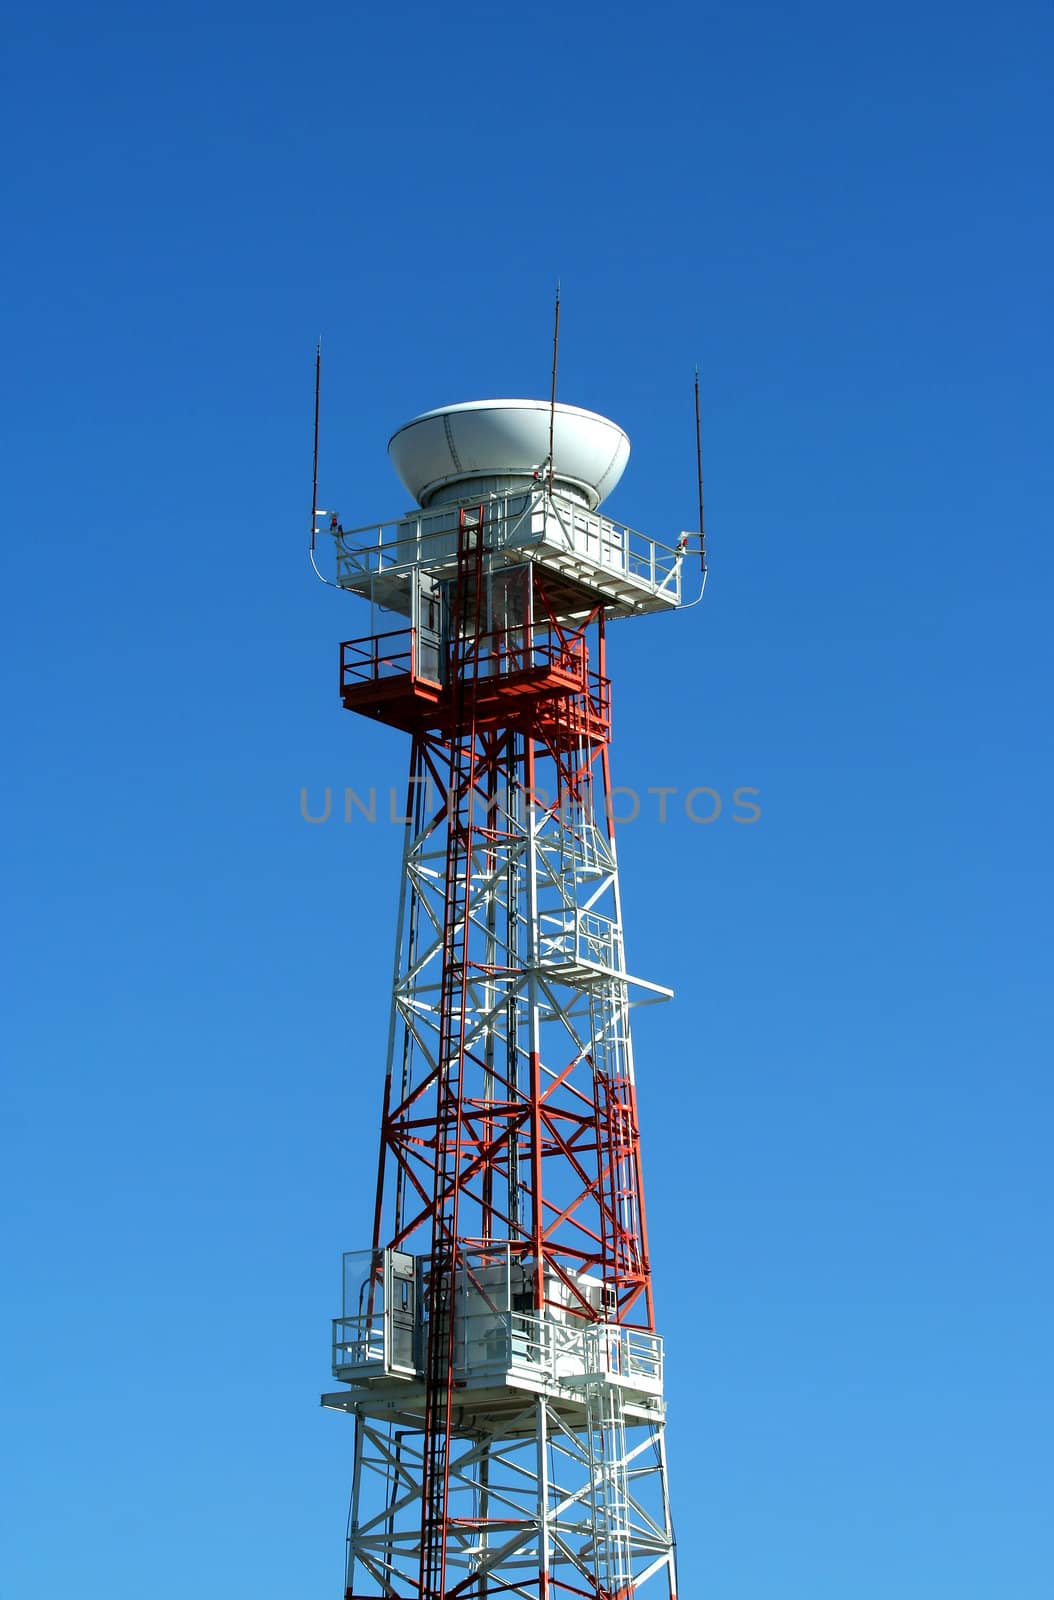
[314, 468]
[699, 470]
[552, 402]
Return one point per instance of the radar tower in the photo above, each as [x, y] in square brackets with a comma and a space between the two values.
[497, 1345]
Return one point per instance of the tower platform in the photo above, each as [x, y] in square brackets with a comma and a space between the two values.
[503, 1351]
[600, 559]
[526, 676]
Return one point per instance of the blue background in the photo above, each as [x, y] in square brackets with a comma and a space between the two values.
[843, 215]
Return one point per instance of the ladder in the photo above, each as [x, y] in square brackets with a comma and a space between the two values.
[464, 661]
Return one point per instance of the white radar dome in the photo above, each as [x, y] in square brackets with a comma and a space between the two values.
[492, 446]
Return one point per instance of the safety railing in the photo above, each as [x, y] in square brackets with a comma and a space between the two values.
[378, 655]
[629, 1353]
[429, 539]
[612, 545]
[522, 649]
[556, 1350]
[494, 1343]
[358, 1342]
[575, 937]
[423, 539]
[505, 653]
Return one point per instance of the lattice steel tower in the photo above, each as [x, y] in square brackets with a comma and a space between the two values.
[497, 1343]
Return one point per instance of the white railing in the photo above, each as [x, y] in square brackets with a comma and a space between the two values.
[358, 1341]
[498, 1343]
[577, 937]
[429, 539]
[543, 1347]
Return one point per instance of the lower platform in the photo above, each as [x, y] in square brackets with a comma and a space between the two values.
[541, 687]
[503, 1354]
[507, 1412]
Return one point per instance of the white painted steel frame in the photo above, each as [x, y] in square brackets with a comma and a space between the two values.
[551, 1499]
[635, 572]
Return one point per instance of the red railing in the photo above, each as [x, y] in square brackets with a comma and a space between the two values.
[519, 649]
[379, 655]
[511, 653]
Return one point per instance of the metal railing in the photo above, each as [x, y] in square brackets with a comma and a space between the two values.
[358, 1341]
[377, 655]
[525, 648]
[518, 649]
[557, 1350]
[576, 936]
[429, 539]
[494, 1343]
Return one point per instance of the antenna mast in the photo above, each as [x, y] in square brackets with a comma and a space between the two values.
[552, 402]
[699, 471]
[314, 468]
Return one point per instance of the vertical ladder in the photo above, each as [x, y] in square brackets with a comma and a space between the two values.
[465, 648]
[610, 1505]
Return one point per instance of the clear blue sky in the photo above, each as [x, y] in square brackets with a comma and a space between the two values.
[843, 215]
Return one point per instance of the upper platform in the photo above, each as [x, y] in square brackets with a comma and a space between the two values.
[601, 561]
[493, 446]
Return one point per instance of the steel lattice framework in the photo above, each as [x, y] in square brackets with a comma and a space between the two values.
[497, 1341]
